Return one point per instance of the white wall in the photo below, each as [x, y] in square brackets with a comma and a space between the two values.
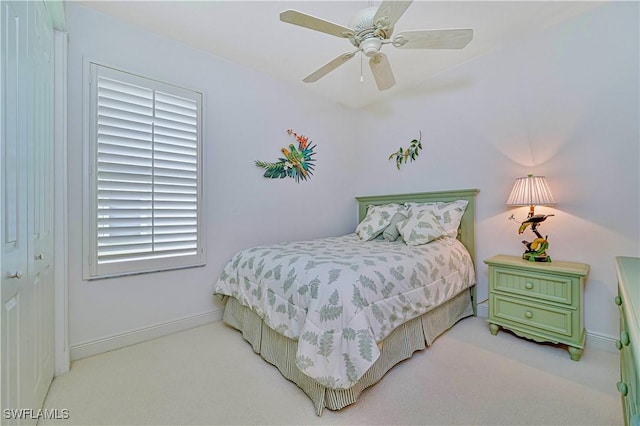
[246, 117]
[563, 103]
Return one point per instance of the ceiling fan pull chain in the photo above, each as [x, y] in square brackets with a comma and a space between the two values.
[361, 77]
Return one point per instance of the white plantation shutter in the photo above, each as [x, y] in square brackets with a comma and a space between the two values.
[145, 175]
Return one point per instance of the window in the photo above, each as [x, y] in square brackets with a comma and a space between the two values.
[145, 179]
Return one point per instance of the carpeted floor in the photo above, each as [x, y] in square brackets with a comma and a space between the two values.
[209, 375]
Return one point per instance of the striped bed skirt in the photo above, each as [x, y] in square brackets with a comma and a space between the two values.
[410, 337]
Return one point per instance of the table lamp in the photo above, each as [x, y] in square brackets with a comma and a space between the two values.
[532, 191]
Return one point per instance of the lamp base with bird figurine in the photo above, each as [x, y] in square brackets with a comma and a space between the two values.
[537, 249]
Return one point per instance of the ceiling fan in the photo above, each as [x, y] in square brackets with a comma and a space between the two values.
[369, 30]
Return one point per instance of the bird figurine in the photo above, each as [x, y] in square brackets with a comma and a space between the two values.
[534, 221]
[537, 249]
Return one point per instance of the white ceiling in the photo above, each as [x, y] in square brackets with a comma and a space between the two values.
[250, 33]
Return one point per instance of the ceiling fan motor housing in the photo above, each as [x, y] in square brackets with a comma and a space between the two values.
[368, 34]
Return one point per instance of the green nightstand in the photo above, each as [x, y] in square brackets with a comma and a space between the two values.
[541, 301]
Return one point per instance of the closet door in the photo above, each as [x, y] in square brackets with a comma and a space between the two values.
[14, 234]
[27, 209]
[40, 202]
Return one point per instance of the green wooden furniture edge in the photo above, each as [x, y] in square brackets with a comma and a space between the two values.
[628, 299]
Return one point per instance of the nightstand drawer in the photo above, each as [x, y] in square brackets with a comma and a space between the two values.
[535, 317]
[554, 288]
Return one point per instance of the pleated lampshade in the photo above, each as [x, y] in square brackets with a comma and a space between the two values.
[531, 191]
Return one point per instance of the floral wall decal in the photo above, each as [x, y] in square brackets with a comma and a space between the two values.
[297, 162]
[409, 154]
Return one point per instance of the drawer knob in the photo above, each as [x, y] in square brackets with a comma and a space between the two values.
[624, 338]
[619, 345]
[618, 300]
[622, 388]
[528, 314]
[528, 286]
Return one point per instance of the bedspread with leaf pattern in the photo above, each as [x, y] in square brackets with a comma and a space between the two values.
[339, 296]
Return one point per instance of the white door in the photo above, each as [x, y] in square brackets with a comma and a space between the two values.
[40, 203]
[27, 209]
[14, 198]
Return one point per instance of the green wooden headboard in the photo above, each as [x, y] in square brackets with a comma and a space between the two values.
[466, 231]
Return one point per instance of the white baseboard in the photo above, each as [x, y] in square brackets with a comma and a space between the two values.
[98, 346]
[600, 341]
[594, 340]
[483, 309]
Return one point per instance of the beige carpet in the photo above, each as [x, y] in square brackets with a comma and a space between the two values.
[209, 375]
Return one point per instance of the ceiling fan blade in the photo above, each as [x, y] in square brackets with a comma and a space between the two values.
[382, 71]
[433, 39]
[326, 69]
[307, 21]
[392, 10]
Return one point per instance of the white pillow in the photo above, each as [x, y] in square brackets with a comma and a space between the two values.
[391, 232]
[376, 220]
[449, 214]
[420, 228]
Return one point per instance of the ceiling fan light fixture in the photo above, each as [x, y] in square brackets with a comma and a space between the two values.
[371, 46]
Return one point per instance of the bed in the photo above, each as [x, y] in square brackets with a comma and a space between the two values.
[335, 314]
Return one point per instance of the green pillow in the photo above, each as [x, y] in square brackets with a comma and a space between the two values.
[391, 232]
